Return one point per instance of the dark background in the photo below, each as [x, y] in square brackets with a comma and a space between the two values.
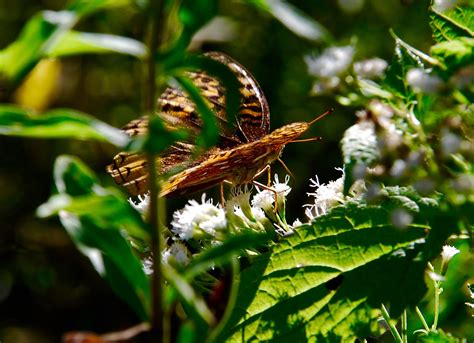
[46, 286]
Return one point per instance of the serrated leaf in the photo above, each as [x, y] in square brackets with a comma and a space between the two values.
[455, 53]
[327, 282]
[452, 25]
[96, 219]
[76, 43]
[59, 123]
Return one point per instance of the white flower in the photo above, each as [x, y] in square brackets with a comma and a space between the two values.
[264, 199]
[142, 204]
[360, 142]
[195, 219]
[325, 85]
[325, 196]
[371, 68]
[296, 223]
[332, 62]
[176, 253]
[423, 82]
[448, 253]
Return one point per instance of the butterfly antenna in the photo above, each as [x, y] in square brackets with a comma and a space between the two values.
[286, 168]
[318, 118]
[306, 140]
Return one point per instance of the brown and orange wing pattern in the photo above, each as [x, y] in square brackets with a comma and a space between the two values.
[177, 110]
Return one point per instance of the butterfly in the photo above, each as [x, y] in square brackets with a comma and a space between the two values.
[245, 149]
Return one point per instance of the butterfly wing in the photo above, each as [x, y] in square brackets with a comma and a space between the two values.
[253, 117]
[178, 110]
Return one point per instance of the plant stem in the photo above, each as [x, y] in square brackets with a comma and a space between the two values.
[392, 327]
[404, 327]
[423, 321]
[436, 306]
[156, 22]
[436, 300]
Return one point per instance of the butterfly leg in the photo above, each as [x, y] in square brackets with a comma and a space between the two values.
[222, 194]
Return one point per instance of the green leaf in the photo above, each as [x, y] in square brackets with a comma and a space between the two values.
[60, 123]
[86, 7]
[96, 219]
[194, 14]
[193, 302]
[17, 59]
[438, 337]
[405, 58]
[112, 257]
[209, 135]
[75, 43]
[218, 69]
[328, 280]
[452, 25]
[455, 53]
[40, 35]
[295, 20]
[157, 139]
[223, 253]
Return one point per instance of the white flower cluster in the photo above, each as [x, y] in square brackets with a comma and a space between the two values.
[197, 220]
[142, 204]
[328, 66]
[324, 197]
[371, 68]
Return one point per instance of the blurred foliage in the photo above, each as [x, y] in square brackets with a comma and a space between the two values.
[96, 69]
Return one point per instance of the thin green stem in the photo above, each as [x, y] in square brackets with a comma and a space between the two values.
[436, 300]
[160, 332]
[404, 327]
[422, 318]
[436, 306]
[393, 329]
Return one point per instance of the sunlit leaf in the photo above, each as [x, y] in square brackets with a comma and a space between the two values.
[75, 43]
[452, 25]
[60, 123]
[295, 20]
[455, 53]
[40, 35]
[96, 219]
[328, 280]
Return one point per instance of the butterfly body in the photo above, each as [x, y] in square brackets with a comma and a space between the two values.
[238, 165]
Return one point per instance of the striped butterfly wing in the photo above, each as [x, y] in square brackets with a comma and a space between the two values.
[178, 110]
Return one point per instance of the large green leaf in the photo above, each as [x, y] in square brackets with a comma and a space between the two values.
[60, 123]
[328, 280]
[42, 32]
[75, 43]
[452, 25]
[97, 220]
